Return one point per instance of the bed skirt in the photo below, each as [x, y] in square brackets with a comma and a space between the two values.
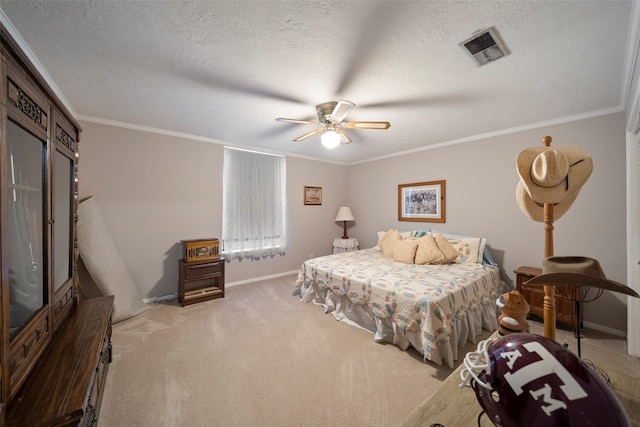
[466, 327]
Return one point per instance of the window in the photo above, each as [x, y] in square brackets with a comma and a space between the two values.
[253, 204]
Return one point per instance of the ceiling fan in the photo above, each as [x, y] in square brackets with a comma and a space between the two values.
[330, 123]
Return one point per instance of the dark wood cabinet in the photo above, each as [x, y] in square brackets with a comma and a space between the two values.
[200, 280]
[52, 346]
[565, 298]
[65, 387]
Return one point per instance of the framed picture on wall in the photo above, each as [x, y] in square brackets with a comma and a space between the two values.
[422, 201]
[312, 195]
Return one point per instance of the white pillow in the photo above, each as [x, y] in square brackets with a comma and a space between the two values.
[469, 250]
[380, 234]
[406, 234]
[485, 254]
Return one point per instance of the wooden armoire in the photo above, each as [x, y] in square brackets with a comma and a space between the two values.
[54, 349]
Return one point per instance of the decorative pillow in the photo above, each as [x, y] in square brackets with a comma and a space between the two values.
[487, 258]
[406, 234]
[380, 234]
[428, 251]
[388, 241]
[450, 253]
[419, 233]
[405, 250]
[469, 250]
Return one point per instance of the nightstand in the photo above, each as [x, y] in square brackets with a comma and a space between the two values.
[345, 245]
[565, 298]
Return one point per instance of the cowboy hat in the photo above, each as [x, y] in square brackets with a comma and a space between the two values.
[552, 174]
[535, 210]
[577, 271]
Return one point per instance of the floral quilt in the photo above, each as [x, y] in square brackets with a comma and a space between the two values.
[424, 298]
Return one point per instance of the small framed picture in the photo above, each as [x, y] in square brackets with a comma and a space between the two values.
[422, 201]
[312, 195]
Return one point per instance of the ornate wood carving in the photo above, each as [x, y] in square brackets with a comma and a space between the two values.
[66, 139]
[25, 104]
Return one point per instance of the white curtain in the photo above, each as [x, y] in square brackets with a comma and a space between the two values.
[254, 204]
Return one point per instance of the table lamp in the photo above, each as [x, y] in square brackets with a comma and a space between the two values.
[344, 215]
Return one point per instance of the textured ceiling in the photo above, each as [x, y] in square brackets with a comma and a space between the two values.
[225, 70]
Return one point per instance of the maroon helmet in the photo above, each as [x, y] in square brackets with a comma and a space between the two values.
[524, 379]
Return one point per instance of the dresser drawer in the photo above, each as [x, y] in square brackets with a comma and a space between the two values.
[200, 280]
[206, 269]
[28, 347]
[534, 296]
[564, 297]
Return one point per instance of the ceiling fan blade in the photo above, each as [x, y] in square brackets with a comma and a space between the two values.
[341, 110]
[344, 138]
[382, 23]
[231, 84]
[310, 122]
[430, 100]
[367, 125]
[308, 134]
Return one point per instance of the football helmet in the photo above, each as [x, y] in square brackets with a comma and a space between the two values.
[525, 379]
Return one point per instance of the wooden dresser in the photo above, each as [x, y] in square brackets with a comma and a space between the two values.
[65, 387]
[565, 298]
[54, 348]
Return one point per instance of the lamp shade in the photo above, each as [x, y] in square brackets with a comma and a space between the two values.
[344, 214]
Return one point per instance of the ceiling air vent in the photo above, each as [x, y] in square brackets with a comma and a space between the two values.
[485, 46]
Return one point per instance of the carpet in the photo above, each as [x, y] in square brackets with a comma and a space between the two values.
[258, 357]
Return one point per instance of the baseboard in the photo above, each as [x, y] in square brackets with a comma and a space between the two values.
[160, 298]
[605, 329]
[226, 285]
[260, 279]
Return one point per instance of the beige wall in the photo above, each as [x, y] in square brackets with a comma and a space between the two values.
[155, 190]
[480, 187]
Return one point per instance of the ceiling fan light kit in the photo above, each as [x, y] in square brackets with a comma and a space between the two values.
[330, 139]
[330, 123]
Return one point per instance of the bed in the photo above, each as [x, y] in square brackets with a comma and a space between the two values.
[432, 308]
